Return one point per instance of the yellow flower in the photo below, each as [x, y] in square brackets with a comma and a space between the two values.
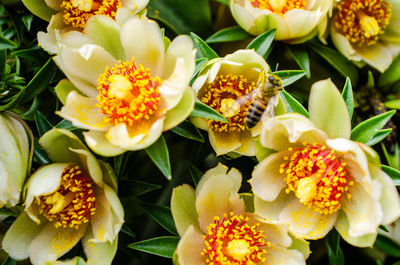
[125, 86]
[219, 84]
[72, 199]
[295, 21]
[15, 157]
[216, 228]
[319, 178]
[367, 31]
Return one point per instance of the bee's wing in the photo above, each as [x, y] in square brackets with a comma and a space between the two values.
[270, 109]
[247, 97]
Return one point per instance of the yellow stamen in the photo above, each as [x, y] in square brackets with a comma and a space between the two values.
[127, 93]
[279, 6]
[238, 249]
[363, 21]
[222, 95]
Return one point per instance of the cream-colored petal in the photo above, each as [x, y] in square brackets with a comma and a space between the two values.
[307, 223]
[243, 17]
[49, 40]
[99, 144]
[141, 39]
[87, 63]
[172, 89]
[19, 236]
[99, 253]
[39, 8]
[389, 200]
[328, 110]
[190, 247]
[90, 165]
[108, 217]
[267, 182]
[105, 32]
[275, 232]
[271, 210]
[363, 210]
[181, 111]
[248, 144]
[57, 143]
[213, 197]
[180, 48]
[342, 226]
[224, 143]
[135, 138]
[51, 243]
[83, 113]
[344, 45]
[377, 55]
[44, 181]
[220, 169]
[85, 87]
[183, 208]
[301, 22]
[281, 132]
[278, 256]
[250, 62]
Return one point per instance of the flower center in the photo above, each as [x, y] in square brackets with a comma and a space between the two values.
[279, 6]
[362, 21]
[222, 96]
[232, 241]
[127, 93]
[72, 203]
[317, 176]
[77, 12]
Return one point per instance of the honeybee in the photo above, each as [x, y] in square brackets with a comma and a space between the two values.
[263, 99]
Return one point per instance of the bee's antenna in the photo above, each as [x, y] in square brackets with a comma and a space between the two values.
[276, 67]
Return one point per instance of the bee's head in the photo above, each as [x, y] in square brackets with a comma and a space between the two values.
[272, 85]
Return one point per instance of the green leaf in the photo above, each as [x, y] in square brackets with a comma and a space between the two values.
[293, 105]
[334, 259]
[42, 124]
[388, 245]
[40, 156]
[203, 47]
[3, 59]
[347, 94]
[384, 228]
[369, 128]
[299, 54]
[379, 136]
[393, 173]
[262, 43]
[194, 172]
[129, 188]
[30, 113]
[6, 43]
[39, 8]
[161, 246]
[40, 81]
[182, 16]
[199, 65]
[203, 111]
[188, 130]
[67, 125]
[225, 2]
[391, 75]
[234, 33]
[337, 60]
[126, 230]
[158, 153]
[120, 163]
[333, 240]
[393, 104]
[288, 77]
[27, 19]
[162, 215]
[9, 261]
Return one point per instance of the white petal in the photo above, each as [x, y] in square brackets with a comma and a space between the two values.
[99, 144]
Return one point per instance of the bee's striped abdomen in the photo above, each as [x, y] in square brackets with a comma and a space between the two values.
[255, 111]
